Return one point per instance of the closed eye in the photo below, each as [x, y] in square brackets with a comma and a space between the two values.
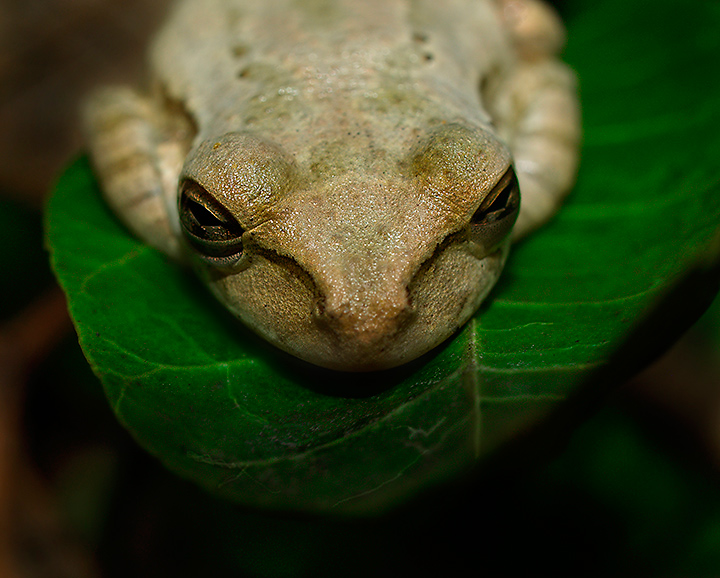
[208, 226]
[494, 219]
[502, 202]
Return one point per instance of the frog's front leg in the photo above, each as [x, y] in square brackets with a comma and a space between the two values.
[137, 148]
[537, 112]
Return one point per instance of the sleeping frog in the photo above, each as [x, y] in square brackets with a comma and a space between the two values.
[343, 175]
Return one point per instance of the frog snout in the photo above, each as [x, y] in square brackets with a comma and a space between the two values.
[364, 323]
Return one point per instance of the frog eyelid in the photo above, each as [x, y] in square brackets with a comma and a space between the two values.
[208, 226]
[503, 198]
[492, 222]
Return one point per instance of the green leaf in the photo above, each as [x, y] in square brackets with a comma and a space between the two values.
[220, 407]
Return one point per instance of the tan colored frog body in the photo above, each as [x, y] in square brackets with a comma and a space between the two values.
[340, 172]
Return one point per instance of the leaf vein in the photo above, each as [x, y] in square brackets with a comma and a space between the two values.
[115, 263]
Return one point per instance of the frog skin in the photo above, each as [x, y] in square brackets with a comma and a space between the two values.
[342, 174]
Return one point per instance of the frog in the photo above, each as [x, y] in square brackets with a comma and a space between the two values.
[345, 177]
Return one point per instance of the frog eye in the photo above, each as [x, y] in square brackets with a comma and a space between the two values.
[495, 217]
[208, 226]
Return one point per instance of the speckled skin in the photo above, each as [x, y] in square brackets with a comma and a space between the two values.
[354, 143]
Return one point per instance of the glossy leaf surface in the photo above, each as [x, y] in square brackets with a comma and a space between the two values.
[219, 406]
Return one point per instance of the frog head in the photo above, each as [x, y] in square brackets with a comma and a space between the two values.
[364, 265]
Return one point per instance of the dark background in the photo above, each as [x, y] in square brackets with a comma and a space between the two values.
[634, 491]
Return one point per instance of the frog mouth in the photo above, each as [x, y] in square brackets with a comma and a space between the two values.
[282, 303]
[425, 323]
[437, 304]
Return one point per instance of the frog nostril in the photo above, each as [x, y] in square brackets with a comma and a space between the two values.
[319, 309]
[334, 318]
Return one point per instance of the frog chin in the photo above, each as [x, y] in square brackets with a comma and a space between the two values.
[281, 304]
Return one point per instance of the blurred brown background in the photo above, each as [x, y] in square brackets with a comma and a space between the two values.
[52, 52]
